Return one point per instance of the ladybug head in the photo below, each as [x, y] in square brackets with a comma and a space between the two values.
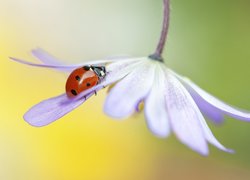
[99, 70]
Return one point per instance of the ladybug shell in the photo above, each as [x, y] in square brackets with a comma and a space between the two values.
[80, 80]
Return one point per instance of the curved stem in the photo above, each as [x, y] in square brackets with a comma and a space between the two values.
[157, 55]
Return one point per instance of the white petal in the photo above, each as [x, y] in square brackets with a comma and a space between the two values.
[218, 104]
[184, 116]
[202, 123]
[124, 97]
[155, 106]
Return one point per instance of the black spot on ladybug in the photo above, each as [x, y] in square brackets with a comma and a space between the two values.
[86, 68]
[88, 84]
[78, 78]
[74, 92]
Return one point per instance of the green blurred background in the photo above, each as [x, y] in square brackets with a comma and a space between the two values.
[208, 42]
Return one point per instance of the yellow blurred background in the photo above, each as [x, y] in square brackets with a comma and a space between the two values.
[208, 42]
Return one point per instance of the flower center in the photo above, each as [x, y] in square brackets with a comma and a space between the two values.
[155, 57]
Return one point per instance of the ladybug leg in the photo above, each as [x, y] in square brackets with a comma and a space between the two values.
[95, 93]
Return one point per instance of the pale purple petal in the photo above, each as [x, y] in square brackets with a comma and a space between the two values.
[118, 70]
[48, 59]
[155, 106]
[66, 68]
[184, 116]
[51, 62]
[207, 109]
[124, 97]
[218, 104]
[45, 57]
[51, 109]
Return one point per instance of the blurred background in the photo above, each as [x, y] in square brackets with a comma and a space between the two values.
[208, 42]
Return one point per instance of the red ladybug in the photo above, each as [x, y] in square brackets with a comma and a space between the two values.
[84, 78]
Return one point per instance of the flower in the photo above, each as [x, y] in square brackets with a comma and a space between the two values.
[172, 103]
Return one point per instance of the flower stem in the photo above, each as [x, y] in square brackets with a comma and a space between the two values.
[157, 55]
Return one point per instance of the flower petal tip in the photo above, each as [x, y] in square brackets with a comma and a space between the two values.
[204, 154]
[204, 151]
[34, 121]
[214, 103]
[161, 135]
[231, 151]
[114, 114]
[14, 59]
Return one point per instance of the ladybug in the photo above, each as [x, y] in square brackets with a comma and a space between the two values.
[84, 78]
